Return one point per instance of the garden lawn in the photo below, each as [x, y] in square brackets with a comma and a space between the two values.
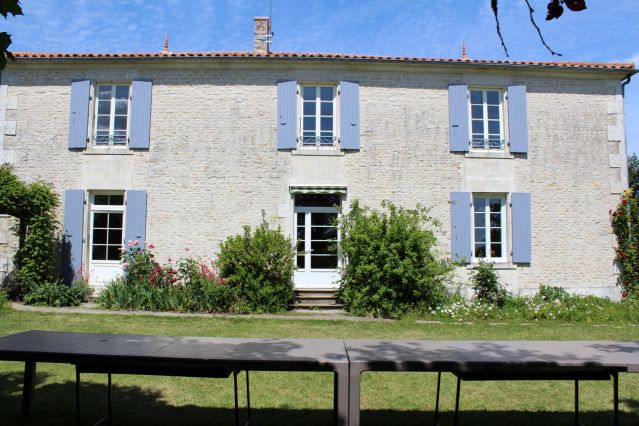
[306, 398]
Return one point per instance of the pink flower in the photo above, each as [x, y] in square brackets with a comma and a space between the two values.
[151, 246]
[125, 265]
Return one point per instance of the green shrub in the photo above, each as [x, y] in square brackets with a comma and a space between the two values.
[390, 263]
[548, 293]
[485, 282]
[5, 305]
[260, 265]
[56, 294]
[625, 224]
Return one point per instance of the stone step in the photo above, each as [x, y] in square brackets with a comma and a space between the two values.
[315, 306]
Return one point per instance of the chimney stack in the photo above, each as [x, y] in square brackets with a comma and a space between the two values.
[262, 34]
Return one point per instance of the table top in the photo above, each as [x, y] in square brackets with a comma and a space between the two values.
[468, 355]
[56, 346]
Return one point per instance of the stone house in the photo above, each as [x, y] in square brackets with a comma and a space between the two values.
[520, 161]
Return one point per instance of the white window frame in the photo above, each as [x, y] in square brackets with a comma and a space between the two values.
[318, 116]
[100, 208]
[505, 226]
[94, 125]
[502, 118]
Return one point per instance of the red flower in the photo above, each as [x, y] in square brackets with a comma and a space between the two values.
[625, 202]
[174, 279]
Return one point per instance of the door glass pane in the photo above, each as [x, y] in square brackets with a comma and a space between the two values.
[324, 262]
[316, 200]
[324, 233]
[115, 236]
[495, 235]
[495, 250]
[480, 220]
[495, 220]
[323, 218]
[99, 236]
[99, 253]
[480, 250]
[301, 261]
[480, 235]
[113, 253]
[323, 247]
[100, 220]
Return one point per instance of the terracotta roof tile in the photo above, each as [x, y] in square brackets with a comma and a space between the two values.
[319, 56]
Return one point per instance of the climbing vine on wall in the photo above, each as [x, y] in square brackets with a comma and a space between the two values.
[34, 206]
[625, 224]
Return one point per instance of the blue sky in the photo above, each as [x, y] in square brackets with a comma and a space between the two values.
[607, 31]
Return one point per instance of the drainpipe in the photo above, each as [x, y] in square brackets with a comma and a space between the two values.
[623, 84]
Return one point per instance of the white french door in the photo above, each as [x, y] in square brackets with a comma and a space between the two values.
[316, 239]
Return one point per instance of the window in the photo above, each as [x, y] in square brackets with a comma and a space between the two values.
[486, 119]
[316, 231]
[489, 223]
[106, 217]
[111, 114]
[318, 115]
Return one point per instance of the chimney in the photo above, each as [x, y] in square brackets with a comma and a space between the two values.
[262, 34]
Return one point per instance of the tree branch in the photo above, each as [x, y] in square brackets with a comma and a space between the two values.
[532, 20]
[493, 5]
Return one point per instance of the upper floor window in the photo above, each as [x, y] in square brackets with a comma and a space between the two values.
[487, 130]
[111, 114]
[489, 223]
[318, 115]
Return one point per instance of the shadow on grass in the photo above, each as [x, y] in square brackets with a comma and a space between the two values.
[54, 404]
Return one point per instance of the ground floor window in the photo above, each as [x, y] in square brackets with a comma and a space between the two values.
[489, 225]
[316, 229]
[106, 226]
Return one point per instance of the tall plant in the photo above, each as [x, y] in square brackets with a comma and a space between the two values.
[625, 224]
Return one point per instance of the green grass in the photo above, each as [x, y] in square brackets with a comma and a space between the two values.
[306, 398]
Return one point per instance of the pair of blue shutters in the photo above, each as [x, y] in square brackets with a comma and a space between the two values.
[135, 226]
[139, 114]
[287, 115]
[458, 117]
[461, 227]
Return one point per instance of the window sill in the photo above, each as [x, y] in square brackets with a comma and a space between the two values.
[489, 154]
[108, 151]
[318, 151]
[499, 266]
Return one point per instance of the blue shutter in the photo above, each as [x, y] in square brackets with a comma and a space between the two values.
[458, 117]
[79, 114]
[286, 115]
[140, 126]
[522, 228]
[460, 226]
[517, 119]
[135, 226]
[349, 114]
[73, 233]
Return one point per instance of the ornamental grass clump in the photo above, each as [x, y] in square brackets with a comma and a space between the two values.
[259, 264]
[390, 262]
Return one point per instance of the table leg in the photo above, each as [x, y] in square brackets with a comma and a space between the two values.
[577, 403]
[248, 400]
[353, 397]
[457, 401]
[439, 381]
[28, 386]
[77, 395]
[615, 384]
[237, 409]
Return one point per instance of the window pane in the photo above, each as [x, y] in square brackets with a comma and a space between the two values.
[493, 112]
[309, 93]
[102, 138]
[115, 220]
[119, 138]
[478, 127]
[102, 200]
[309, 108]
[120, 123]
[480, 235]
[480, 220]
[121, 107]
[326, 93]
[113, 253]
[480, 204]
[328, 233]
[116, 200]
[476, 97]
[300, 246]
[300, 216]
[323, 218]
[115, 236]
[300, 262]
[300, 233]
[99, 253]
[324, 262]
[103, 123]
[104, 107]
[495, 205]
[99, 236]
[327, 123]
[493, 127]
[495, 220]
[104, 92]
[327, 108]
[309, 123]
[122, 92]
[477, 111]
[495, 235]
[495, 250]
[325, 247]
[492, 97]
[100, 219]
[316, 200]
[480, 250]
